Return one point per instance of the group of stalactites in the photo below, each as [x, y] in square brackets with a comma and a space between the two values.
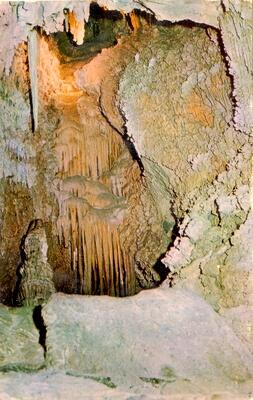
[35, 276]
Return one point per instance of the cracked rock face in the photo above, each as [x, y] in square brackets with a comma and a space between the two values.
[200, 166]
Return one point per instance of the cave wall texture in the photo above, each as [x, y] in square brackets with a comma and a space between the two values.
[134, 143]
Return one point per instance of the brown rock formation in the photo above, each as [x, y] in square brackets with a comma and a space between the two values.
[35, 283]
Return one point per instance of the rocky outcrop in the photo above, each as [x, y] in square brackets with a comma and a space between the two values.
[19, 19]
[236, 30]
[200, 167]
[19, 341]
[169, 339]
[137, 347]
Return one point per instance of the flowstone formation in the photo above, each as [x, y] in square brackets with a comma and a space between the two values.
[35, 276]
[107, 217]
[105, 231]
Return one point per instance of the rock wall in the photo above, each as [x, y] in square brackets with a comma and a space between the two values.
[152, 336]
[192, 153]
[20, 349]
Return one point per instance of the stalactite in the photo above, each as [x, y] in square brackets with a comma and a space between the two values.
[91, 205]
[75, 26]
[135, 20]
[96, 250]
[33, 58]
[84, 152]
[87, 209]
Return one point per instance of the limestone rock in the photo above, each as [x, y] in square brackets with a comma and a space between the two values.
[237, 20]
[241, 320]
[170, 338]
[19, 340]
[35, 284]
[52, 385]
[196, 163]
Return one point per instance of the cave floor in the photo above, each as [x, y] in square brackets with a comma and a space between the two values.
[159, 344]
[52, 385]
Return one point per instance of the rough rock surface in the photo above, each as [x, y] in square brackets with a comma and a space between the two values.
[200, 167]
[19, 19]
[52, 385]
[237, 19]
[19, 340]
[35, 276]
[170, 339]
[241, 320]
[85, 184]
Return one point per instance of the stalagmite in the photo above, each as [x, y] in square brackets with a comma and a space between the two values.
[33, 58]
[35, 283]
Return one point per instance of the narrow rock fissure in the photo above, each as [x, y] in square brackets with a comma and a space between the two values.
[225, 57]
[124, 134]
[41, 327]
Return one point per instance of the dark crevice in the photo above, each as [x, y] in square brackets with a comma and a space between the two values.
[129, 22]
[132, 150]
[123, 133]
[40, 325]
[161, 269]
[223, 7]
[225, 58]
[164, 271]
[101, 13]
[188, 23]
[129, 143]
[31, 108]
[175, 230]
[22, 260]
[30, 97]
[38, 30]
